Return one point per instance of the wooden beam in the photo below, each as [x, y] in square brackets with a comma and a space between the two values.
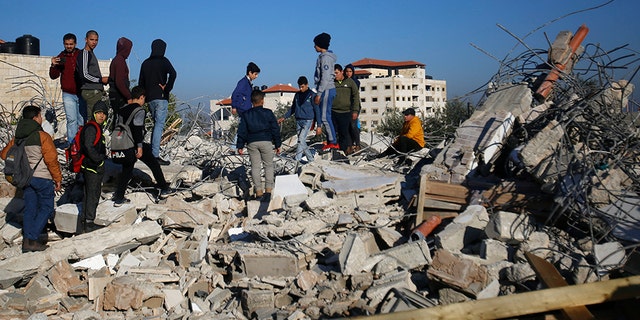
[550, 276]
[533, 302]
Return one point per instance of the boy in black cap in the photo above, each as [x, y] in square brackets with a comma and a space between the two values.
[411, 137]
[325, 88]
[95, 152]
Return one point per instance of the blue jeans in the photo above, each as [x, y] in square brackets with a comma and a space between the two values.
[159, 109]
[303, 127]
[326, 103]
[72, 106]
[38, 206]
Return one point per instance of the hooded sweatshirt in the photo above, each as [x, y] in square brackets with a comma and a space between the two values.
[324, 71]
[155, 71]
[39, 145]
[119, 71]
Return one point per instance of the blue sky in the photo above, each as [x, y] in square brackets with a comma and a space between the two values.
[211, 42]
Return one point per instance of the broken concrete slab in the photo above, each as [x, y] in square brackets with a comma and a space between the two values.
[509, 227]
[66, 217]
[107, 214]
[287, 186]
[458, 272]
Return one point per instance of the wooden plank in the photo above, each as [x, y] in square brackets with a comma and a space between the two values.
[550, 276]
[533, 302]
[445, 198]
[444, 189]
[421, 198]
[443, 205]
[442, 214]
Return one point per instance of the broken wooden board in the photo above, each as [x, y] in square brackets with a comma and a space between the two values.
[550, 276]
[533, 302]
[445, 198]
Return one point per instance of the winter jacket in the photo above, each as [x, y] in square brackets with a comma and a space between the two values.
[66, 71]
[94, 155]
[347, 97]
[303, 107]
[412, 129]
[88, 75]
[241, 96]
[39, 145]
[119, 71]
[258, 124]
[323, 75]
[157, 70]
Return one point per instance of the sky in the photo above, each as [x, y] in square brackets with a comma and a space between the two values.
[210, 42]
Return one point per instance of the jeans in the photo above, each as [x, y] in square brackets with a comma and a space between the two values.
[127, 172]
[326, 101]
[303, 127]
[261, 155]
[38, 206]
[159, 109]
[72, 106]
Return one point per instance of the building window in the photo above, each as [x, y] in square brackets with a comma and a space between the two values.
[363, 100]
[397, 87]
[363, 123]
[363, 110]
[387, 87]
[374, 87]
[403, 87]
[437, 88]
[374, 123]
[374, 99]
[442, 89]
[387, 98]
[403, 98]
[397, 98]
[428, 88]
[362, 89]
[375, 110]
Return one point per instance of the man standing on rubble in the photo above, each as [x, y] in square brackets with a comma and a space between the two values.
[157, 77]
[88, 74]
[63, 66]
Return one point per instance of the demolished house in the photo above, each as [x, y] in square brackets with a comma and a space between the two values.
[531, 208]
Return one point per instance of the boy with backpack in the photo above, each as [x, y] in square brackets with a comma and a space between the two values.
[47, 177]
[133, 115]
[93, 147]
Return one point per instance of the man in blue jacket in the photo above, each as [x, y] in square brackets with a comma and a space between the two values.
[306, 111]
[259, 131]
[241, 96]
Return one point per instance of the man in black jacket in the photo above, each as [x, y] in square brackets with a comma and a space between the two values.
[259, 130]
[157, 77]
[143, 150]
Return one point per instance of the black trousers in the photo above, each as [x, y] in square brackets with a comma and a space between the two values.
[342, 124]
[354, 131]
[92, 191]
[127, 172]
[402, 145]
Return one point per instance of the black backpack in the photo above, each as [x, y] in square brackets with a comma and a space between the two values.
[17, 169]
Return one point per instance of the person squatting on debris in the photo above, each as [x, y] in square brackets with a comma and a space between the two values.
[325, 89]
[92, 165]
[345, 108]
[64, 66]
[157, 77]
[39, 193]
[306, 112]
[241, 96]
[119, 83]
[411, 137]
[88, 74]
[259, 131]
[142, 152]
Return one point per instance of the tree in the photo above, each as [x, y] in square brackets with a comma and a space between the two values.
[445, 121]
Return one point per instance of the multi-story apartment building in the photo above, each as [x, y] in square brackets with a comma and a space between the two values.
[392, 86]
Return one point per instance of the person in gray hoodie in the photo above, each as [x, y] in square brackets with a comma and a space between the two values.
[325, 88]
[157, 77]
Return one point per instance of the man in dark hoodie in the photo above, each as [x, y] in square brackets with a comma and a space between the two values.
[157, 77]
[88, 74]
[119, 83]
[39, 194]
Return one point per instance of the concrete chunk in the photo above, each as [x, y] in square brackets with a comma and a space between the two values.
[66, 217]
[253, 300]
[509, 227]
[458, 272]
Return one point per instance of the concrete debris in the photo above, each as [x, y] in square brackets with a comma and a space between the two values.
[551, 175]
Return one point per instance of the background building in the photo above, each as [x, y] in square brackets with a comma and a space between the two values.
[392, 86]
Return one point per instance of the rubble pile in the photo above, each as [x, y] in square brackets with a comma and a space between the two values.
[526, 177]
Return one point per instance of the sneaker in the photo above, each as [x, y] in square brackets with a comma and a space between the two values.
[329, 146]
[163, 162]
[89, 226]
[120, 202]
[166, 192]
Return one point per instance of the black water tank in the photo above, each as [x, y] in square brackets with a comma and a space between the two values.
[28, 44]
[8, 47]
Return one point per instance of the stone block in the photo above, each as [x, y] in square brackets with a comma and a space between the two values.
[493, 250]
[287, 186]
[63, 277]
[509, 227]
[192, 252]
[207, 189]
[107, 214]
[319, 202]
[458, 272]
[218, 298]
[10, 232]
[172, 298]
[97, 282]
[66, 217]
[609, 256]
[253, 300]
[264, 263]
